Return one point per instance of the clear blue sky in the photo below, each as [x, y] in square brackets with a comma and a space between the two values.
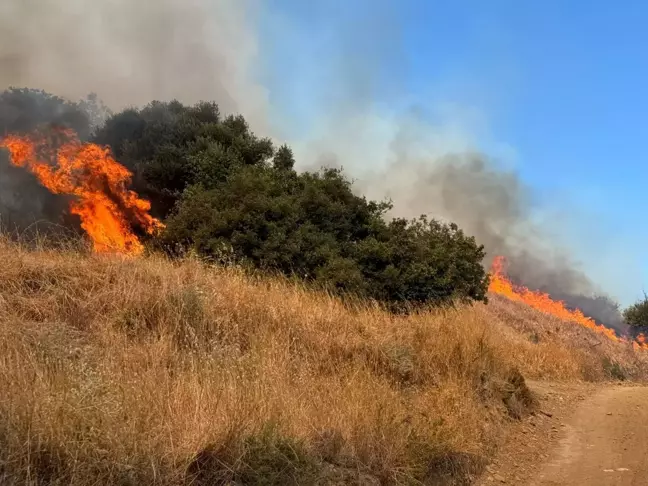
[563, 83]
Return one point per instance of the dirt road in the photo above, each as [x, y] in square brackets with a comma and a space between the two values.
[604, 443]
[582, 434]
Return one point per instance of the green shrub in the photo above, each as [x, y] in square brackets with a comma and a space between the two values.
[265, 459]
[225, 193]
[636, 315]
[614, 370]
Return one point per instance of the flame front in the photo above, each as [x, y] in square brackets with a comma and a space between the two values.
[500, 284]
[96, 180]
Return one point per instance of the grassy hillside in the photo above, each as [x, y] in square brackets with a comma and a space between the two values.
[121, 371]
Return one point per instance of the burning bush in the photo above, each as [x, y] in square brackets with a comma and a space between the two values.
[223, 191]
[96, 182]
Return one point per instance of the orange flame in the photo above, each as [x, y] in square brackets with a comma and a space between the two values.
[500, 284]
[98, 182]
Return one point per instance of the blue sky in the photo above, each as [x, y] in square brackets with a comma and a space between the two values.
[556, 88]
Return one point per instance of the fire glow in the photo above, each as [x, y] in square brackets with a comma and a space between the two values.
[500, 284]
[90, 174]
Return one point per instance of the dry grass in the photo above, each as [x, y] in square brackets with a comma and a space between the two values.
[147, 372]
[571, 351]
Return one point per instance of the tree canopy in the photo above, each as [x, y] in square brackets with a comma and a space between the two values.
[227, 193]
[636, 316]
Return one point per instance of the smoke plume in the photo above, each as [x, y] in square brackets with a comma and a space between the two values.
[436, 170]
[130, 53]
[427, 155]
[493, 205]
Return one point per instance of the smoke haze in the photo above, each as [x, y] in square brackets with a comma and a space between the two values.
[436, 171]
[493, 205]
[133, 52]
[129, 53]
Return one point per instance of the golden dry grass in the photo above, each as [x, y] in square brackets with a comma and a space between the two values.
[144, 371]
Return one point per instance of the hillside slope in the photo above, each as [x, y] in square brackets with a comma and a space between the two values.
[122, 371]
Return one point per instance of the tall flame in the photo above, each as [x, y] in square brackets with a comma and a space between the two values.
[96, 180]
[500, 284]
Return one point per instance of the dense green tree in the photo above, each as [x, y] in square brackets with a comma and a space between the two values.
[314, 226]
[275, 219]
[228, 194]
[636, 316]
[170, 147]
[422, 261]
[284, 158]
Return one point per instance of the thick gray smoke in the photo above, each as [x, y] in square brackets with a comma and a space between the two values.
[493, 205]
[425, 157]
[432, 170]
[490, 203]
[132, 52]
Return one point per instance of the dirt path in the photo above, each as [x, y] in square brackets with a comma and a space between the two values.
[582, 436]
[605, 442]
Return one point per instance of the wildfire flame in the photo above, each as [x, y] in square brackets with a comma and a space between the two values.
[96, 180]
[500, 284]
